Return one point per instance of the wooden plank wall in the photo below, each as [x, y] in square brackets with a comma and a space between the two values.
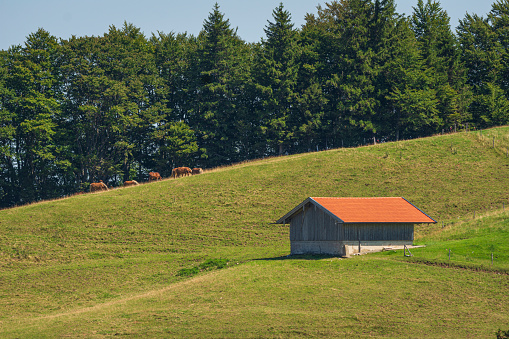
[312, 224]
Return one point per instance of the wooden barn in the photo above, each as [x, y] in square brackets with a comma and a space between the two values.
[344, 226]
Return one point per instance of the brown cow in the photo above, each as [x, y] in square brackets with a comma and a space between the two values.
[174, 172]
[197, 171]
[154, 176]
[186, 171]
[98, 186]
[181, 172]
[131, 183]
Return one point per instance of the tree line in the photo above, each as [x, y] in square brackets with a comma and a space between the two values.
[117, 106]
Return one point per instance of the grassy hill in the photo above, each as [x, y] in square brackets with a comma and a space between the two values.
[116, 262]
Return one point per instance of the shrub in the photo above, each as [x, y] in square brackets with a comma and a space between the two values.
[208, 265]
[502, 334]
[213, 264]
[188, 272]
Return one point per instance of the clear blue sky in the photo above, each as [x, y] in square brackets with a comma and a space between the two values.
[64, 18]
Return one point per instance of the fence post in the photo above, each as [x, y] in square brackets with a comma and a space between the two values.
[491, 258]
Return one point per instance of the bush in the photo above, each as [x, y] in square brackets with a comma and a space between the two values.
[502, 334]
[208, 265]
[188, 272]
[213, 264]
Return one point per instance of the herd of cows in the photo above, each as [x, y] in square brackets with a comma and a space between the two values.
[152, 176]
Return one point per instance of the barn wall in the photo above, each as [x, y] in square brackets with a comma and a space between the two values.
[378, 232]
[313, 231]
[312, 224]
[317, 247]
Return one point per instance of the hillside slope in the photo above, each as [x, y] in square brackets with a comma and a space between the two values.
[60, 256]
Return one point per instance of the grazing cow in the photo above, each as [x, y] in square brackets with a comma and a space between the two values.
[98, 186]
[174, 172]
[197, 171]
[181, 172]
[186, 171]
[154, 176]
[131, 183]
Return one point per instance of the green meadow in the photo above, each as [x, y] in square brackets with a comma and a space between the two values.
[200, 256]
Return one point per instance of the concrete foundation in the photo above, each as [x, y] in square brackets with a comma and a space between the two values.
[345, 248]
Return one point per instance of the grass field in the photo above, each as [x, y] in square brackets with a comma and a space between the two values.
[131, 261]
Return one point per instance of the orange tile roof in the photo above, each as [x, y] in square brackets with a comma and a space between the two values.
[376, 210]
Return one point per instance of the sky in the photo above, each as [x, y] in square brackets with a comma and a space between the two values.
[65, 18]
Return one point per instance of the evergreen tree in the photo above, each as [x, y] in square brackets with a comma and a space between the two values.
[484, 54]
[499, 19]
[311, 100]
[408, 103]
[346, 69]
[275, 74]
[220, 76]
[394, 54]
[440, 55]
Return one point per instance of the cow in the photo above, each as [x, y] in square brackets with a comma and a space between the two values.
[174, 173]
[186, 171]
[154, 176]
[181, 172]
[197, 171]
[98, 186]
[131, 183]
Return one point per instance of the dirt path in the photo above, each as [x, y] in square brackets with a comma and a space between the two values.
[148, 294]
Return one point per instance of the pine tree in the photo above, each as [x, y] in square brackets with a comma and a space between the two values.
[499, 19]
[311, 100]
[346, 70]
[220, 75]
[275, 75]
[440, 55]
[408, 105]
[484, 53]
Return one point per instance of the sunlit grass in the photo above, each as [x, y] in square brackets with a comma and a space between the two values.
[480, 243]
[113, 251]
